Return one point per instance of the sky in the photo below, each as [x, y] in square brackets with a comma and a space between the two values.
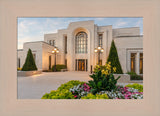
[33, 29]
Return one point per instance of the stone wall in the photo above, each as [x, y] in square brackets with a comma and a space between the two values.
[125, 78]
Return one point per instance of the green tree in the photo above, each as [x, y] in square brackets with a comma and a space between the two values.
[113, 58]
[29, 64]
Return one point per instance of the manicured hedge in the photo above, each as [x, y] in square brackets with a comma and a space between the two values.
[29, 64]
[113, 58]
[59, 67]
[134, 76]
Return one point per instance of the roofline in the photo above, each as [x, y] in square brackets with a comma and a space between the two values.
[19, 49]
[38, 42]
[129, 36]
[125, 27]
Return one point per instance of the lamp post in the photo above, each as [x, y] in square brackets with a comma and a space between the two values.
[55, 51]
[98, 50]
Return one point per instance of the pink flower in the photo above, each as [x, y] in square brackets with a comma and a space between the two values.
[75, 96]
[126, 97]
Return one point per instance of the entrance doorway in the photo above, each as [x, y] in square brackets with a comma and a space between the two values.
[49, 62]
[81, 65]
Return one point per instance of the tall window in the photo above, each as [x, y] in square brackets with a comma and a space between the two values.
[66, 62]
[81, 43]
[141, 63]
[19, 63]
[49, 42]
[34, 56]
[53, 42]
[100, 39]
[133, 61]
[49, 62]
[66, 44]
[100, 62]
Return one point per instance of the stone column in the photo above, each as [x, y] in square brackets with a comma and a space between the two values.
[137, 63]
[70, 53]
[104, 46]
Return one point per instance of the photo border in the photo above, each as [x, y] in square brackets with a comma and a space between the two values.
[11, 9]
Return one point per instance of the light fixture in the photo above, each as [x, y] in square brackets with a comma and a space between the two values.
[95, 50]
[102, 50]
[55, 49]
[99, 48]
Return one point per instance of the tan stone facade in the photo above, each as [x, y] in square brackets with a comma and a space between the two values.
[77, 43]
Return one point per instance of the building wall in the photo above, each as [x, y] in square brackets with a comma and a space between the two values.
[92, 31]
[46, 52]
[42, 51]
[36, 48]
[132, 31]
[20, 55]
[127, 40]
[126, 45]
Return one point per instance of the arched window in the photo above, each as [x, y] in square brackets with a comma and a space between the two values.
[81, 43]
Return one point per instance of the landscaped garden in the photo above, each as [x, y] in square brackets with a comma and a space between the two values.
[102, 86]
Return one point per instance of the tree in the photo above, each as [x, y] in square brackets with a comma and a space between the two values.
[113, 58]
[29, 64]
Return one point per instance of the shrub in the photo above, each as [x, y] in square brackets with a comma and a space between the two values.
[134, 76]
[136, 86]
[55, 94]
[63, 92]
[47, 70]
[29, 64]
[59, 67]
[99, 67]
[97, 96]
[102, 82]
[113, 58]
[69, 85]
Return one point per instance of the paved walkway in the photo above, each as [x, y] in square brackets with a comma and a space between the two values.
[34, 87]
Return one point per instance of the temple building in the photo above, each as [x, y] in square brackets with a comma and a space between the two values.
[77, 43]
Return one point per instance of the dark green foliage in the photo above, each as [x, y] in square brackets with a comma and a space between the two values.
[113, 58]
[59, 67]
[29, 64]
[101, 82]
[134, 76]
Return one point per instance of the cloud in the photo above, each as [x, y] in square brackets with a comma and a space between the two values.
[22, 40]
[100, 19]
[120, 23]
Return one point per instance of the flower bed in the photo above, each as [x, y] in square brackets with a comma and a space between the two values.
[102, 86]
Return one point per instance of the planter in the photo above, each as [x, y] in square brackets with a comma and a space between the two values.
[125, 78]
[28, 73]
